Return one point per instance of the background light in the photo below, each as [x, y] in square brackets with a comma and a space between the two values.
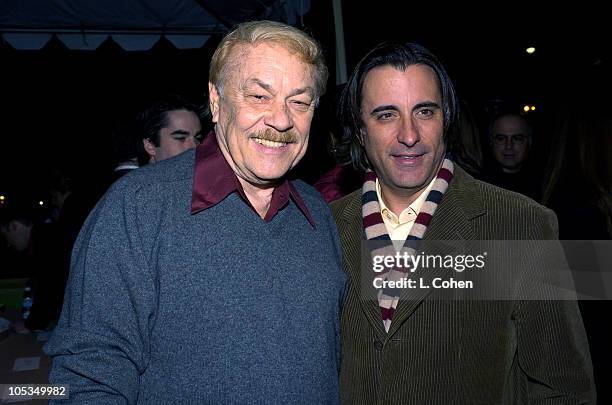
[526, 108]
[530, 50]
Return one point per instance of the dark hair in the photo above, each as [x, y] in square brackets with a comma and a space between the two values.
[579, 170]
[399, 56]
[153, 118]
[466, 144]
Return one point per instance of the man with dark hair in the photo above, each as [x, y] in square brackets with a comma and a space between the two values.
[414, 345]
[16, 227]
[166, 128]
[210, 277]
[40, 259]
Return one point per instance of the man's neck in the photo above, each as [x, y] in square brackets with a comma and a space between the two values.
[259, 197]
[511, 170]
[399, 201]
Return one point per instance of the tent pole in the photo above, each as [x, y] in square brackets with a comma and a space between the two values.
[341, 76]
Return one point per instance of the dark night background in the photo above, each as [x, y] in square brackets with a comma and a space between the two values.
[58, 107]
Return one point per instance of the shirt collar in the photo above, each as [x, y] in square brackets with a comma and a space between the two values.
[410, 213]
[214, 180]
[127, 166]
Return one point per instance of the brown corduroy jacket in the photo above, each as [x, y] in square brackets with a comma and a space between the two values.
[454, 352]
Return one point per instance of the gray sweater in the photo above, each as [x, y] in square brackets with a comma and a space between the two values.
[218, 307]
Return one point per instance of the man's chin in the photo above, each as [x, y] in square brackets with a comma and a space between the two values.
[407, 186]
[270, 177]
[510, 165]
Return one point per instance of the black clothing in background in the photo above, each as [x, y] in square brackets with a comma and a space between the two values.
[527, 181]
[49, 276]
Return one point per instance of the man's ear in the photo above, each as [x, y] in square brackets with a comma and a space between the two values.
[149, 148]
[214, 102]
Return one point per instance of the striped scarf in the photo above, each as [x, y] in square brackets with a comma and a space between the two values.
[376, 230]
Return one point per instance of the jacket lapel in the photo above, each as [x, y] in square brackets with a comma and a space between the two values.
[451, 221]
[352, 235]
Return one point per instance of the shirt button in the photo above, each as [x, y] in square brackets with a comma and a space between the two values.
[378, 345]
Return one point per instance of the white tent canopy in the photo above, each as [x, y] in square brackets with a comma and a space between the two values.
[136, 25]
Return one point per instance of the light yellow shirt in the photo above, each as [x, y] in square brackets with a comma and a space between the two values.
[399, 227]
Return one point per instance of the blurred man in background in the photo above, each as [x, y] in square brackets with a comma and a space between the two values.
[166, 128]
[510, 137]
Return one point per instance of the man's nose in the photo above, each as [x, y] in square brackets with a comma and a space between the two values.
[279, 117]
[408, 133]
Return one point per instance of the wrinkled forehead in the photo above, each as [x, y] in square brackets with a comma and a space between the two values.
[414, 83]
[245, 60]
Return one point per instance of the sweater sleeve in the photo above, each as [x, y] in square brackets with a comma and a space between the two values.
[101, 344]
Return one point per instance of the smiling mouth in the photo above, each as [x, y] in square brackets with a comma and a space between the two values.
[407, 157]
[270, 144]
[273, 139]
[408, 161]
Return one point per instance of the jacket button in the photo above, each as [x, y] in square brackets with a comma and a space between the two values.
[378, 345]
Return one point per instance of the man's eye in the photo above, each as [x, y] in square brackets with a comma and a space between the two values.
[425, 112]
[258, 97]
[384, 116]
[301, 105]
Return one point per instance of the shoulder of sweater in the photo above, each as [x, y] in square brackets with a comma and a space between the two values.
[176, 169]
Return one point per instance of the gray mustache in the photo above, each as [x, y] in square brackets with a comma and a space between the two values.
[275, 136]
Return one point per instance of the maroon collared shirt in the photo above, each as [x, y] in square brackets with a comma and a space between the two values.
[214, 180]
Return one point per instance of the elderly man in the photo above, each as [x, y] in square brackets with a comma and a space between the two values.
[422, 344]
[209, 277]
